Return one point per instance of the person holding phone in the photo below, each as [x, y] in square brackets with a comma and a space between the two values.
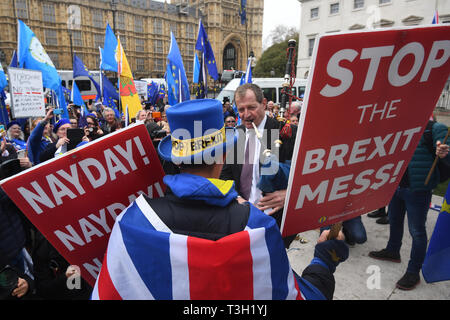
[92, 129]
[39, 137]
[60, 146]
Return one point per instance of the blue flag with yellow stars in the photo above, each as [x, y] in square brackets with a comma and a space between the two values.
[79, 69]
[178, 86]
[243, 11]
[109, 95]
[204, 46]
[436, 266]
[152, 92]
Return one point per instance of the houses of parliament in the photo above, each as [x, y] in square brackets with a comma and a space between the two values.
[67, 27]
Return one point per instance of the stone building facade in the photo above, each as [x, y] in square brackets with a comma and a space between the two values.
[65, 27]
[326, 16]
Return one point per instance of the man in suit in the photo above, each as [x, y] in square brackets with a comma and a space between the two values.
[244, 164]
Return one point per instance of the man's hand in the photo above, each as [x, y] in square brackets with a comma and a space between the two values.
[441, 149]
[324, 236]
[25, 163]
[22, 288]
[274, 200]
[62, 141]
[49, 114]
[241, 200]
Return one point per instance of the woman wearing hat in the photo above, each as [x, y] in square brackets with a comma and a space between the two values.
[60, 146]
[198, 242]
[16, 136]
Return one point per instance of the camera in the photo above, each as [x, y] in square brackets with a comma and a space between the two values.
[92, 130]
[155, 131]
[158, 134]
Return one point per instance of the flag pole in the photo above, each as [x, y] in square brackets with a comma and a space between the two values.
[436, 159]
[101, 74]
[119, 69]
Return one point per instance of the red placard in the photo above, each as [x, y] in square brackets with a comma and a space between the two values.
[74, 199]
[369, 97]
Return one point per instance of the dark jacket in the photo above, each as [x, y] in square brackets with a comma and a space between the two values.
[233, 163]
[12, 233]
[12, 241]
[49, 272]
[422, 160]
[48, 152]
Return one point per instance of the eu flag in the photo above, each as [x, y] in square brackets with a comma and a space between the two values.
[152, 92]
[436, 266]
[243, 11]
[79, 69]
[31, 55]
[178, 86]
[204, 46]
[109, 95]
[200, 91]
[4, 116]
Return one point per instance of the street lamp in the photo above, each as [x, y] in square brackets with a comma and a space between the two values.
[114, 9]
[73, 23]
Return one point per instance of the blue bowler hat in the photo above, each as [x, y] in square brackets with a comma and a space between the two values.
[197, 132]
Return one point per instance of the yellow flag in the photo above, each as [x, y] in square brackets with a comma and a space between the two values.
[128, 94]
[122, 62]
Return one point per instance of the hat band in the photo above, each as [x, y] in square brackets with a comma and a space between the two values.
[189, 147]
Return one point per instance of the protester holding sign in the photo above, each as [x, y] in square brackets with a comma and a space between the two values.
[413, 197]
[198, 242]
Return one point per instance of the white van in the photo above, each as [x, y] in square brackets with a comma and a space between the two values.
[271, 88]
[84, 84]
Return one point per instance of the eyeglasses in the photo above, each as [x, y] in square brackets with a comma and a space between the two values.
[230, 121]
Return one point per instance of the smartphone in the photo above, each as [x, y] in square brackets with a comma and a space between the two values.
[57, 111]
[75, 135]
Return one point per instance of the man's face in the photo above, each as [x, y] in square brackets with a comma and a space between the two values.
[109, 116]
[142, 115]
[62, 130]
[249, 109]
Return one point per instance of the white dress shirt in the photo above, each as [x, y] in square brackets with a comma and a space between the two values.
[255, 193]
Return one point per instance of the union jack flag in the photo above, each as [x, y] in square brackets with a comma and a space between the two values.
[146, 260]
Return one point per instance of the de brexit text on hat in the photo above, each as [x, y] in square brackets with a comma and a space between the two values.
[198, 132]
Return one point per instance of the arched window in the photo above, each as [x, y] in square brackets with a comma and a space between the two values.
[229, 57]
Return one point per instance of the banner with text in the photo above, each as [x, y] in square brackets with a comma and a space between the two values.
[27, 96]
[368, 99]
[73, 200]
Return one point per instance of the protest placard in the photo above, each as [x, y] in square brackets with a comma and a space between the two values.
[27, 96]
[74, 199]
[141, 87]
[368, 99]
